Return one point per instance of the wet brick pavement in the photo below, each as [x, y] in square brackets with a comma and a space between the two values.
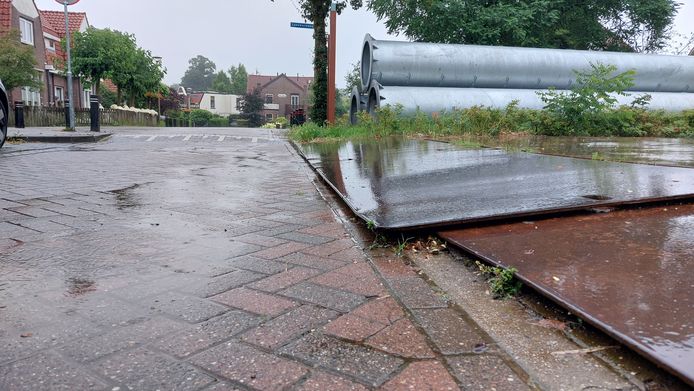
[208, 263]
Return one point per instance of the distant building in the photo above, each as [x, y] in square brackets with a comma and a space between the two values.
[214, 102]
[43, 31]
[283, 94]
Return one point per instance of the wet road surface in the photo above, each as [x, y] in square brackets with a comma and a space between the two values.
[627, 272]
[206, 260]
[401, 184]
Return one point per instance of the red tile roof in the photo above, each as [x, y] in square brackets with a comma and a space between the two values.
[196, 98]
[47, 27]
[5, 15]
[56, 21]
[108, 83]
[255, 81]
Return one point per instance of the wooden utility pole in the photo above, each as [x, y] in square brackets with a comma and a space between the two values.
[331, 63]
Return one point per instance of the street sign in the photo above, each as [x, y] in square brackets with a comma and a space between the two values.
[301, 25]
[69, 2]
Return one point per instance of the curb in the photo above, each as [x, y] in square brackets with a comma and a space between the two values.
[61, 139]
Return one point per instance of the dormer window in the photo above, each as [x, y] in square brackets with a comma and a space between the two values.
[26, 29]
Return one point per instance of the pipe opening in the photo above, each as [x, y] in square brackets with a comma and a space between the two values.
[374, 101]
[354, 109]
[366, 57]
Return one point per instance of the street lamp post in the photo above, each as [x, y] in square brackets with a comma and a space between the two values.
[68, 42]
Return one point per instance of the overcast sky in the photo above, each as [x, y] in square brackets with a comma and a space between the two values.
[253, 32]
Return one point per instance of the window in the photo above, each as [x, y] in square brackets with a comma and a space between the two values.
[295, 100]
[212, 103]
[268, 117]
[31, 96]
[50, 45]
[26, 28]
[268, 98]
[59, 94]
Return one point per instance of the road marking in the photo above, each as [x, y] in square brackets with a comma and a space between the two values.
[221, 138]
[152, 138]
[187, 138]
[205, 136]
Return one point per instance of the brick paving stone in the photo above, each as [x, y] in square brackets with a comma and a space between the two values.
[422, 376]
[257, 265]
[305, 238]
[33, 211]
[321, 381]
[138, 332]
[330, 230]
[352, 254]
[324, 296]
[291, 325]
[353, 328]
[285, 279]
[280, 229]
[485, 372]
[141, 369]
[382, 310]
[366, 286]
[368, 365]
[448, 330]
[415, 293]
[221, 386]
[207, 333]
[325, 250]
[189, 308]
[394, 268]
[261, 240]
[255, 301]
[403, 339]
[249, 366]
[280, 251]
[313, 261]
[46, 371]
[224, 283]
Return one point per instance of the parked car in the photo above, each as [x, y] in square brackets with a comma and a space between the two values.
[4, 114]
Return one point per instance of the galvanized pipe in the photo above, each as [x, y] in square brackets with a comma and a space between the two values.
[435, 100]
[466, 66]
[357, 104]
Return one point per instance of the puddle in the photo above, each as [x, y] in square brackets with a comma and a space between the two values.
[125, 199]
[79, 286]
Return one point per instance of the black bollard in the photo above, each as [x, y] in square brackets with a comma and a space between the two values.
[67, 113]
[94, 113]
[19, 115]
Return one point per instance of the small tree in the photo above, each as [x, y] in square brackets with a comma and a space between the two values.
[102, 53]
[222, 83]
[17, 62]
[239, 80]
[200, 74]
[252, 107]
[353, 78]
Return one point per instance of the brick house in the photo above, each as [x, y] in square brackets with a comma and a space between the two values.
[23, 15]
[41, 30]
[283, 94]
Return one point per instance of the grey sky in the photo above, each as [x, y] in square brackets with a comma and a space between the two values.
[253, 32]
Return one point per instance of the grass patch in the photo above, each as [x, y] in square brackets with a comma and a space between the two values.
[481, 122]
[502, 282]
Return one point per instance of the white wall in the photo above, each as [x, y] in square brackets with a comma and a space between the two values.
[225, 105]
[26, 7]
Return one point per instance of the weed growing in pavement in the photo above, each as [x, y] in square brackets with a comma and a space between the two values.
[380, 241]
[399, 249]
[502, 282]
[371, 225]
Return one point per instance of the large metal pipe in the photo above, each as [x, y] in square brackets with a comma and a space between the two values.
[465, 66]
[357, 104]
[435, 100]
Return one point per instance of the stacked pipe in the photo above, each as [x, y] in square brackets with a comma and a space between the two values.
[442, 77]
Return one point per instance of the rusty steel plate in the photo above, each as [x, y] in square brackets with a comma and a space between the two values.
[403, 184]
[629, 273]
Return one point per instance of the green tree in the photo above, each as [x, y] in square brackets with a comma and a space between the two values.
[200, 74]
[108, 97]
[251, 108]
[353, 78]
[239, 79]
[222, 83]
[317, 11]
[146, 77]
[624, 25]
[102, 53]
[17, 62]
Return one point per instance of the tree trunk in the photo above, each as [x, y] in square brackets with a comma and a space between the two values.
[120, 96]
[319, 113]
